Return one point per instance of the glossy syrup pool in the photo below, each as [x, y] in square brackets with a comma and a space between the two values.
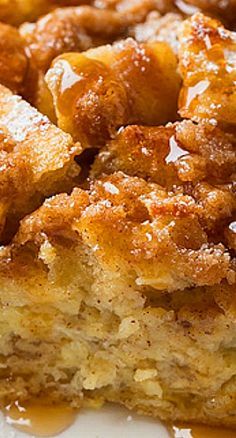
[39, 418]
[42, 419]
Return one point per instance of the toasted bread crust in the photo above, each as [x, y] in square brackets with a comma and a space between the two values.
[36, 157]
[208, 71]
[119, 286]
[136, 224]
[123, 84]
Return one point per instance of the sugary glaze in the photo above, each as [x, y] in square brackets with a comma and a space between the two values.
[40, 417]
[208, 68]
[171, 155]
[65, 30]
[198, 158]
[36, 158]
[71, 30]
[122, 291]
[96, 92]
[158, 28]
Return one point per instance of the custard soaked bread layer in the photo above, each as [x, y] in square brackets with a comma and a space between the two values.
[93, 269]
[37, 159]
[123, 291]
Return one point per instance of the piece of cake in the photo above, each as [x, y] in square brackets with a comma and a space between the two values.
[36, 160]
[118, 294]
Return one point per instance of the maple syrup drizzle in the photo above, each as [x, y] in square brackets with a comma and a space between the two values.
[40, 418]
[196, 90]
[176, 151]
[200, 431]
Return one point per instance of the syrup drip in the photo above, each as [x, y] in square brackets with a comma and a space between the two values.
[40, 418]
[176, 151]
[196, 90]
[198, 431]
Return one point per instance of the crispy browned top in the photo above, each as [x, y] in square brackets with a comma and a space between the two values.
[130, 225]
[172, 155]
[225, 10]
[158, 28]
[36, 158]
[200, 159]
[13, 58]
[208, 68]
[71, 29]
[160, 209]
[17, 11]
[96, 92]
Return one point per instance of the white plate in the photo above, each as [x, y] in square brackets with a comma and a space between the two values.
[108, 422]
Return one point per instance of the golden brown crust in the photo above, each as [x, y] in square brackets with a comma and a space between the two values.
[199, 158]
[172, 155]
[70, 29]
[17, 11]
[139, 151]
[96, 92]
[158, 28]
[13, 59]
[225, 10]
[207, 66]
[153, 236]
[125, 291]
[136, 10]
[65, 30]
[36, 157]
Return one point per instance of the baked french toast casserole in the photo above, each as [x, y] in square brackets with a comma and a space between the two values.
[118, 206]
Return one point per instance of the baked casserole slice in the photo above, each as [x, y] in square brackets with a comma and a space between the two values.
[118, 293]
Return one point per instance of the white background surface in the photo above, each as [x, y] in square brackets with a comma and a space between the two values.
[108, 422]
